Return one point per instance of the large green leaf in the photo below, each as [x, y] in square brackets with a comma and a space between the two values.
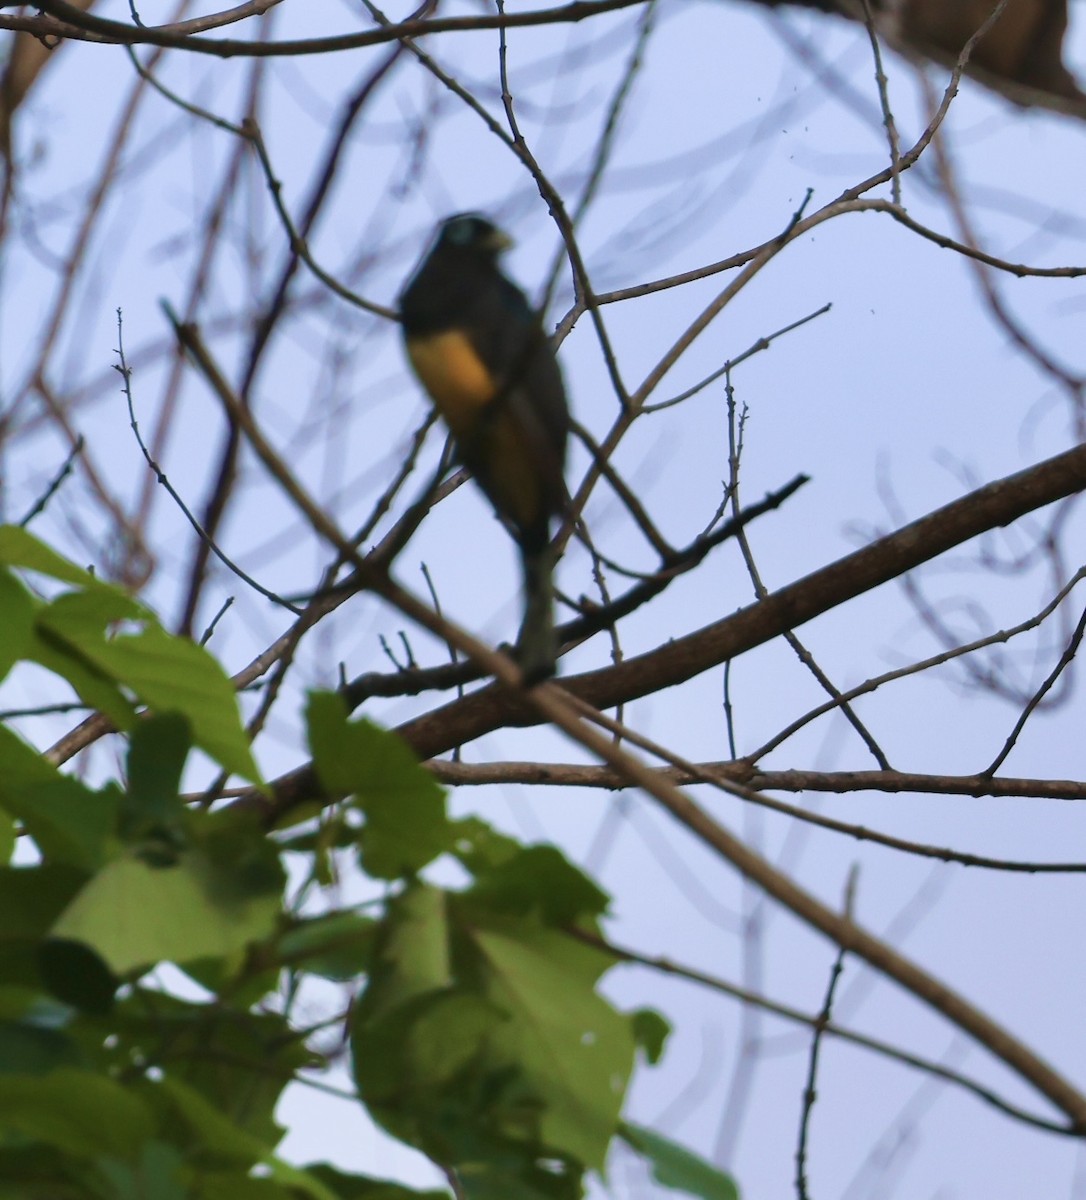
[17, 610]
[240, 1185]
[69, 822]
[156, 756]
[32, 897]
[346, 1186]
[169, 674]
[483, 1034]
[405, 1062]
[152, 817]
[572, 1051]
[9, 836]
[214, 1137]
[92, 685]
[159, 1173]
[413, 953]
[18, 548]
[304, 1183]
[490, 1172]
[136, 915]
[541, 880]
[210, 904]
[239, 1061]
[27, 1048]
[75, 636]
[406, 825]
[74, 973]
[76, 1112]
[31, 1170]
[65, 633]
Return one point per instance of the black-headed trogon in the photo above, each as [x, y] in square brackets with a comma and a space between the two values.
[482, 355]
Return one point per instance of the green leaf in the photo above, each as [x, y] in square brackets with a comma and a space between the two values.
[68, 629]
[302, 1181]
[156, 757]
[479, 846]
[406, 825]
[481, 1036]
[364, 1187]
[157, 1174]
[31, 898]
[75, 974]
[152, 814]
[26, 1005]
[90, 684]
[18, 548]
[539, 879]
[675, 1167]
[570, 1048]
[211, 904]
[169, 674]
[32, 1170]
[242, 861]
[217, 1137]
[30, 1049]
[8, 836]
[411, 975]
[17, 611]
[403, 1060]
[238, 1061]
[650, 1031]
[492, 1174]
[240, 1185]
[413, 956]
[85, 616]
[76, 1112]
[69, 822]
[136, 915]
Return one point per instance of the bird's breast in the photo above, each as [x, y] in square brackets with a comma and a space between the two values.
[455, 376]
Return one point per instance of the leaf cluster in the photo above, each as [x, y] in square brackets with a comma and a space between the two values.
[153, 949]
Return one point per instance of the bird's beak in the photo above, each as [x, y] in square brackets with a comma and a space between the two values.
[499, 241]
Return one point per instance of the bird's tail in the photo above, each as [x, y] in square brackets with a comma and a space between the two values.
[537, 646]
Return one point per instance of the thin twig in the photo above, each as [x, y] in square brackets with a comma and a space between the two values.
[126, 375]
[55, 483]
[821, 1021]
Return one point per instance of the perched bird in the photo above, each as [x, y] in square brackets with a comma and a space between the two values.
[482, 355]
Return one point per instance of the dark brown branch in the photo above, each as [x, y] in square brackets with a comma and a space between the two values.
[552, 774]
[989, 507]
[414, 681]
[63, 20]
[731, 779]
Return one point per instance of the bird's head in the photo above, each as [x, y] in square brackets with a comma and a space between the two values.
[471, 231]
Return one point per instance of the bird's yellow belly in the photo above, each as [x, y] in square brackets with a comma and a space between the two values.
[455, 377]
